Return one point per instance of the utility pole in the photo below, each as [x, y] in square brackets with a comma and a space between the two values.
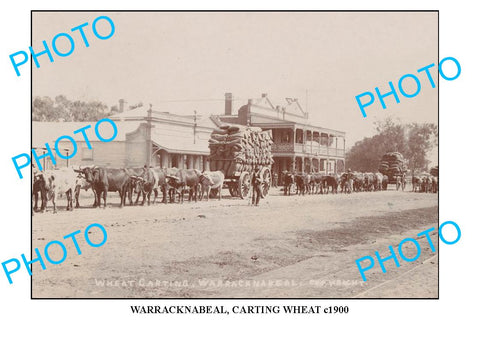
[194, 126]
[306, 101]
[149, 137]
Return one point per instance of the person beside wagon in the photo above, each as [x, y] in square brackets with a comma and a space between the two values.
[256, 186]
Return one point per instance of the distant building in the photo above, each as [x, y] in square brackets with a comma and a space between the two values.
[176, 141]
[298, 144]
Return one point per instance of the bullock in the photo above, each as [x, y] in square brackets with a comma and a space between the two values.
[330, 181]
[104, 180]
[430, 184]
[135, 173]
[82, 183]
[301, 181]
[288, 181]
[358, 181]
[145, 184]
[423, 182]
[378, 178]
[426, 184]
[317, 183]
[211, 180]
[385, 182]
[39, 188]
[170, 180]
[416, 184]
[344, 182]
[185, 178]
[191, 178]
[58, 182]
[434, 184]
[368, 182]
[162, 183]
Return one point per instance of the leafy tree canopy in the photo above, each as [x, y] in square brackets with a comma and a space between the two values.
[62, 109]
[413, 141]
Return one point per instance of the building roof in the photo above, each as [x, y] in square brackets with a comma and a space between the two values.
[266, 114]
[177, 141]
[141, 114]
[272, 122]
[174, 138]
[49, 132]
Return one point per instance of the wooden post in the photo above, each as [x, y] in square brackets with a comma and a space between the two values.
[311, 141]
[304, 142]
[194, 126]
[149, 137]
[328, 157]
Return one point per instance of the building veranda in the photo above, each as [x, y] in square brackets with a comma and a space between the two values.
[298, 145]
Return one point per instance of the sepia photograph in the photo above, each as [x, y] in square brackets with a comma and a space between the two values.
[235, 154]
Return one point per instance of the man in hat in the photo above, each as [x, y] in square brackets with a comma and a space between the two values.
[349, 181]
[256, 184]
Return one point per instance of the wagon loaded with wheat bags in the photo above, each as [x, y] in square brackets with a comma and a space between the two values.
[237, 151]
[393, 165]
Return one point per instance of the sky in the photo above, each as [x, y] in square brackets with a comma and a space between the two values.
[181, 62]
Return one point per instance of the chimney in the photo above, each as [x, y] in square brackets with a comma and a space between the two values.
[228, 104]
[121, 104]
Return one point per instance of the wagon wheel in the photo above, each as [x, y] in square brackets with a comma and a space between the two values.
[213, 193]
[233, 189]
[266, 178]
[244, 185]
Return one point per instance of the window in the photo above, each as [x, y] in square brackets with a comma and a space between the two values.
[87, 154]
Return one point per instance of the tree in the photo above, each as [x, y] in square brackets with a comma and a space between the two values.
[393, 135]
[114, 109]
[43, 109]
[413, 141]
[421, 139]
[365, 155]
[62, 109]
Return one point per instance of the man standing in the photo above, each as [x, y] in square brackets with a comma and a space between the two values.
[275, 180]
[256, 183]
[349, 181]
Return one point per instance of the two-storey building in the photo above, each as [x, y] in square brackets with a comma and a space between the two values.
[299, 145]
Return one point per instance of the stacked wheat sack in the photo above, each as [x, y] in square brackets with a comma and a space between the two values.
[434, 171]
[392, 164]
[235, 148]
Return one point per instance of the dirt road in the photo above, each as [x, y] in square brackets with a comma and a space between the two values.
[296, 246]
